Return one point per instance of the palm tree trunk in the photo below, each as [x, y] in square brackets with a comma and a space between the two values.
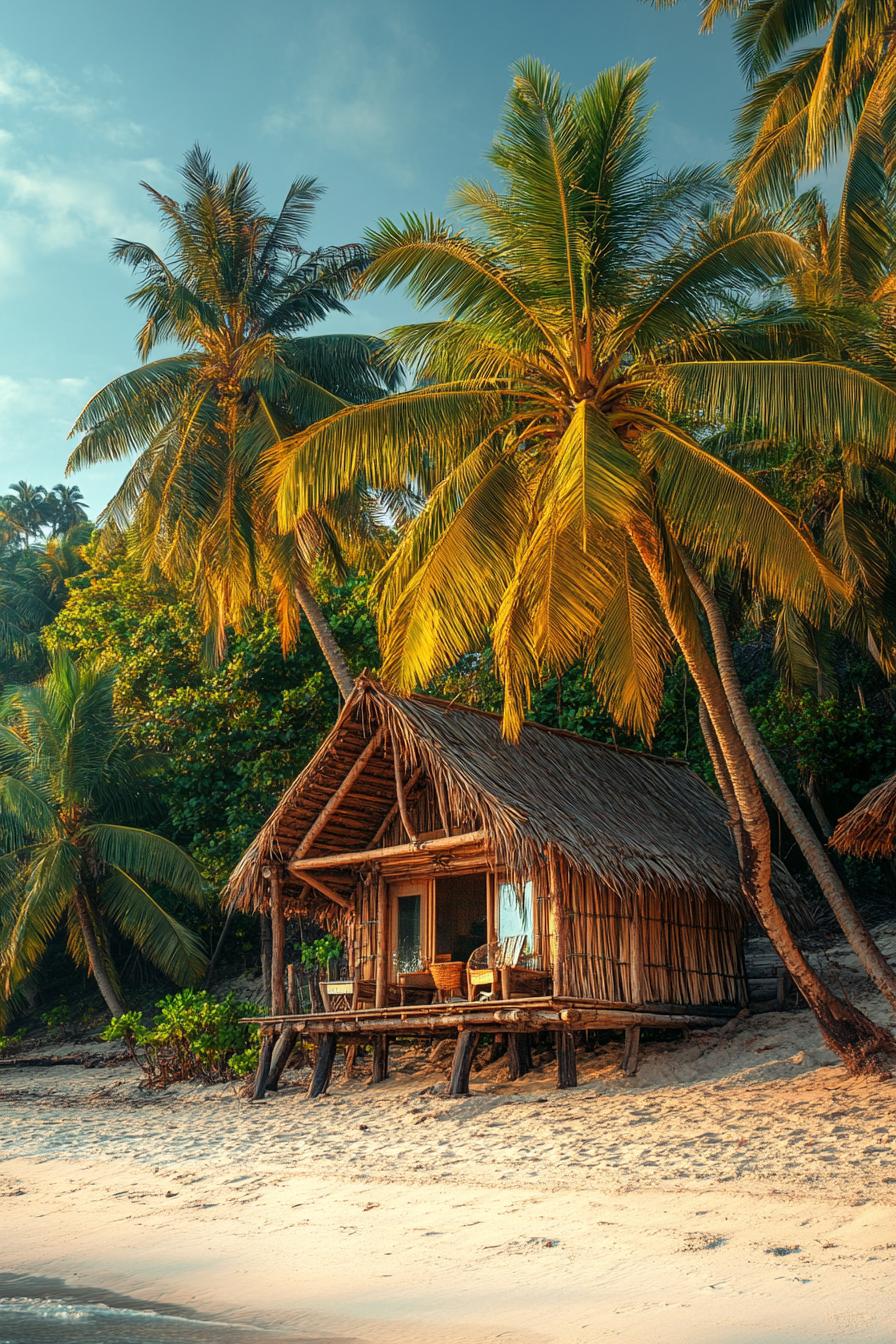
[856, 932]
[325, 638]
[95, 957]
[856, 1039]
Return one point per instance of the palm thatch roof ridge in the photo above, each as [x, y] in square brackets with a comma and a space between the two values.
[868, 830]
[625, 817]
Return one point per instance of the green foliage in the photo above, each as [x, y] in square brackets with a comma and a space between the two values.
[226, 738]
[57, 1016]
[317, 956]
[192, 1036]
[844, 746]
[10, 1041]
[71, 856]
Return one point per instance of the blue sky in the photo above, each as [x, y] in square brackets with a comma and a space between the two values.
[388, 104]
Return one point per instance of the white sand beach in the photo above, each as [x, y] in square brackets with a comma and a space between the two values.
[741, 1188]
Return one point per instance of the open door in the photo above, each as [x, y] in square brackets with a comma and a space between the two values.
[461, 920]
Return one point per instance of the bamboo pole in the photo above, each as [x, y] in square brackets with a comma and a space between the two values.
[278, 944]
[326, 890]
[354, 858]
[335, 799]
[635, 952]
[402, 797]
[393, 812]
[382, 943]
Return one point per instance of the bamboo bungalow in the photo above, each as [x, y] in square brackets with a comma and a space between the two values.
[869, 829]
[556, 884]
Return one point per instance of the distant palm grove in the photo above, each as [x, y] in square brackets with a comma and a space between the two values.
[632, 473]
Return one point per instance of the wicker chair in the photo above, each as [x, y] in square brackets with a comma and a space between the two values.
[500, 969]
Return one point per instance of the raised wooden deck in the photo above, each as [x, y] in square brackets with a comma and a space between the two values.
[542, 1013]
[516, 1018]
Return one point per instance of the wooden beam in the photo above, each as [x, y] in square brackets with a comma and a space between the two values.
[393, 812]
[401, 797]
[328, 891]
[330, 807]
[354, 859]
[382, 943]
[278, 945]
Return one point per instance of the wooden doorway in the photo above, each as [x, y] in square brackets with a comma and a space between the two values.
[461, 915]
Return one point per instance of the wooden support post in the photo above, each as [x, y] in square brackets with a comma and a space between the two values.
[348, 1067]
[464, 1052]
[264, 1065]
[380, 1068]
[292, 992]
[635, 953]
[323, 1064]
[566, 1059]
[558, 929]
[519, 1054]
[286, 1043]
[382, 942]
[264, 938]
[278, 945]
[491, 915]
[630, 1051]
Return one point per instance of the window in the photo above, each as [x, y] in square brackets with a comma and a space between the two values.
[515, 911]
[407, 943]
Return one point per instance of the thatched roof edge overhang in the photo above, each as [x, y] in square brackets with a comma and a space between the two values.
[868, 830]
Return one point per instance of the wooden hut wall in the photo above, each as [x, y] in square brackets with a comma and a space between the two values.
[691, 949]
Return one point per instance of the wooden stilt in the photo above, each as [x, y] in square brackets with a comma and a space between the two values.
[264, 1065]
[630, 1051]
[286, 1043]
[519, 1057]
[566, 1059]
[464, 1051]
[498, 1048]
[323, 1065]
[380, 1070]
[348, 1068]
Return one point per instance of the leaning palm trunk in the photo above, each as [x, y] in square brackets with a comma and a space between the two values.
[95, 957]
[325, 638]
[856, 932]
[848, 1032]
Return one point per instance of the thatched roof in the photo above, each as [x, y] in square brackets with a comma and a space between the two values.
[869, 829]
[626, 817]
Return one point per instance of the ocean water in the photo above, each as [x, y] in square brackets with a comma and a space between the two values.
[47, 1311]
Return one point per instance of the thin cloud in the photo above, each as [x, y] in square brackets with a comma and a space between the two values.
[364, 68]
[52, 402]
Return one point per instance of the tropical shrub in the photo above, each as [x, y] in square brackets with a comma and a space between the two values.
[192, 1036]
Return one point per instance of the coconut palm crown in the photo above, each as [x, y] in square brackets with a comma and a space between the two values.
[588, 306]
[69, 853]
[237, 292]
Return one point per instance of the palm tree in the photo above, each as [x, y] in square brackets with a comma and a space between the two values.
[813, 100]
[586, 313]
[237, 295]
[69, 784]
[28, 508]
[66, 508]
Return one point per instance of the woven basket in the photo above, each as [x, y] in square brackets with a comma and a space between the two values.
[447, 976]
